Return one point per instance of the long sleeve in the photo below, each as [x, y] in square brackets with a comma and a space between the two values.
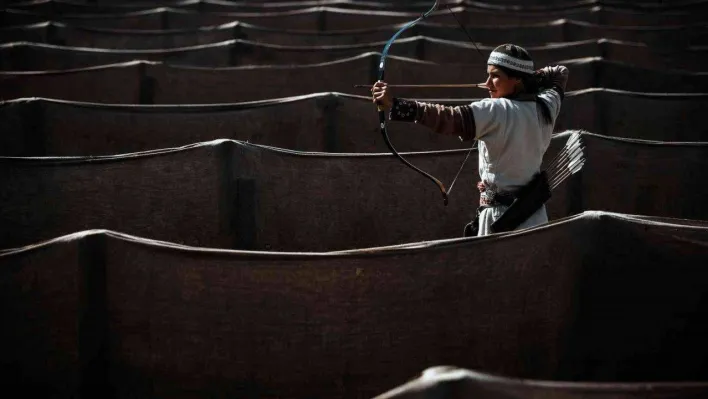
[442, 119]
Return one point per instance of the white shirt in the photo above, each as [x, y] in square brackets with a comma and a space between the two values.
[513, 138]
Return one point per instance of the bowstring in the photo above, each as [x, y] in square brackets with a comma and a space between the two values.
[475, 144]
[461, 167]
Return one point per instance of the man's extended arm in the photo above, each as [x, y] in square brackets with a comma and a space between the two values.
[443, 119]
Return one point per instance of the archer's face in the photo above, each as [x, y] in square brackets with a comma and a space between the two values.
[499, 83]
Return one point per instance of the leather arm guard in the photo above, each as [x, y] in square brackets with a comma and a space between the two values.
[529, 199]
[403, 110]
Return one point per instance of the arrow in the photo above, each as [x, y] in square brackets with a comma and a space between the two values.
[452, 85]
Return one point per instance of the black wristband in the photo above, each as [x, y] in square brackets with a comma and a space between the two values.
[403, 110]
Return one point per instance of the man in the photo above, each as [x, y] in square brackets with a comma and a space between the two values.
[513, 126]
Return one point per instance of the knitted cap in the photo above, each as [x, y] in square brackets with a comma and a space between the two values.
[513, 57]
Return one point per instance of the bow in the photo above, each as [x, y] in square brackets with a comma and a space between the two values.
[382, 113]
